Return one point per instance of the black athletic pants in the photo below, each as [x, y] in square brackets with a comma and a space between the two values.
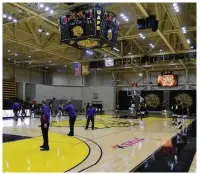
[88, 121]
[23, 113]
[45, 130]
[71, 125]
[16, 114]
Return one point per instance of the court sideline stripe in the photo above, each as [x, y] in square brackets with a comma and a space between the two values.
[152, 153]
[101, 154]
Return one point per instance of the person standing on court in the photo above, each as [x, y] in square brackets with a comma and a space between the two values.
[69, 108]
[16, 109]
[90, 116]
[51, 106]
[45, 117]
[87, 106]
[23, 106]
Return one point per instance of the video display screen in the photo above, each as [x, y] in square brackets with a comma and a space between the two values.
[167, 80]
[109, 62]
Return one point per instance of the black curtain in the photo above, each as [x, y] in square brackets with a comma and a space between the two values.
[153, 100]
[124, 100]
[188, 97]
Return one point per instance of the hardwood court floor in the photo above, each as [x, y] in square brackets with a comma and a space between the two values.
[137, 147]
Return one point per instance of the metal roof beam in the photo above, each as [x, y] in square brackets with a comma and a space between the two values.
[155, 34]
[176, 24]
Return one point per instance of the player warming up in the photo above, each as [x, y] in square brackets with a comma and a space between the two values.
[16, 109]
[45, 116]
[23, 111]
[69, 108]
[90, 116]
[59, 112]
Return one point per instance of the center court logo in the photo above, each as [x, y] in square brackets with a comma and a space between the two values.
[128, 143]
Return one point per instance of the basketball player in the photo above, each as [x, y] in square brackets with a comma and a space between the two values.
[142, 109]
[23, 111]
[51, 106]
[117, 111]
[185, 115]
[16, 109]
[86, 108]
[90, 116]
[45, 116]
[69, 108]
[179, 115]
[174, 114]
[33, 108]
[59, 111]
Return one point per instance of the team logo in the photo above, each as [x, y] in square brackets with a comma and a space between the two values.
[152, 100]
[128, 143]
[185, 99]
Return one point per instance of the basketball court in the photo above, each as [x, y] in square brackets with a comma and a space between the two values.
[134, 63]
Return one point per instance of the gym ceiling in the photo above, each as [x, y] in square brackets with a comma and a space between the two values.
[31, 36]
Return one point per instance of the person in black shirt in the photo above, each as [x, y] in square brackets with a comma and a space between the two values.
[174, 114]
[185, 112]
[23, 110]
[179, 115]
[51, 106]
[87, 106]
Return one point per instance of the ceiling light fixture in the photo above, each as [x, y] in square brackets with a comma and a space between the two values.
[116, 49]
[49, 61]
[9, 17]
[184, 30]
[47, 33]
[89, 52]
[4, 16]
[141, 35]
[152, 46]
[29, 56]
[176, 8]
[46, 67]
[41, 5]
[65, 65]
[51, 11]
[192, 47]
[14, 20]
[188, 41]
[46, 8]
[39, 30]
[160, 50]
[124, 17]
[129, 53]
[9, 51]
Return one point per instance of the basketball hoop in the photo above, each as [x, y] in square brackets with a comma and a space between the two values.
[133, 92]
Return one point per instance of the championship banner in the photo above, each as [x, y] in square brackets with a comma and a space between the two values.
[77, 69]
[85, 70]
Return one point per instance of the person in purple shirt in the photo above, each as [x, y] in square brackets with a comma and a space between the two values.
[45, 117]
[69, 108]
[16, 109]
[90, 116]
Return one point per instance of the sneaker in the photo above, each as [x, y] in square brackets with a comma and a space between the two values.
[45, 149]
